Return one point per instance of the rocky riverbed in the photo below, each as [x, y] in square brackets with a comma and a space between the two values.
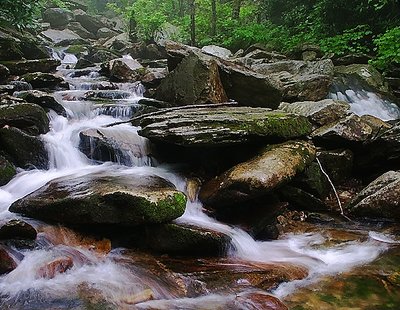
[164, 176]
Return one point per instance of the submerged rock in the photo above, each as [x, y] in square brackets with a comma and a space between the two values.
[275, 166]
[194, 81]
[7, 262]
[22, 149]
[380, 199]
[299, 80]
[195, 127]
[100, 199]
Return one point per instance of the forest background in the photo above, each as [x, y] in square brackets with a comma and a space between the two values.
[339, 27]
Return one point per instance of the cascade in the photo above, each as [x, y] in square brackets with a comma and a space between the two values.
[113, 279]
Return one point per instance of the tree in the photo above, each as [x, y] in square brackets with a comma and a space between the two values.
[213, 18]
[236, 9]
[193, 22]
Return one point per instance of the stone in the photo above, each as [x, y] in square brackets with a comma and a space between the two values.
[248, 87]
[366, 73]
[43, 80]
[181, 239]
[7, 262]
[380, 199]
[77, 28]
[29, 66]
[300, 80]
[116, 145]
[62, 37]
[26, 116]
[153, 77]
[272, 168]
[7, 171]
[203, 127]
[319, 113]
[351, 59]
[125, 70]
[350, 130]
[301, 200]
[57, 17]
[338, 164]
[20, 86]
[22, 149]
[42, 99]
[104, 199]
[217, 51]
[9, 47]
[194, 81]
[55, 267]
[89, 22]
[4, 72]
[105, 32]
[17, 229]
[268, 56]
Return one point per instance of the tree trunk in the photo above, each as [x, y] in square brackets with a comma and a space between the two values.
[193, 22]
[236, 9]
[213, 18]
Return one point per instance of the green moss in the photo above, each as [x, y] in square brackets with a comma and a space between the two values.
[76, 49]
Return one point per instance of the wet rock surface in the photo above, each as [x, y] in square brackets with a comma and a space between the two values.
[129, 200]
[274, 166]
[221, 126]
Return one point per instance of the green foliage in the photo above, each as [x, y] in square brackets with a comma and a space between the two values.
[20, 13]
[350, 41]
[387, 49]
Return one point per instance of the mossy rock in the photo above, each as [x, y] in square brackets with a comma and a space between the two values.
[22, 149]
[200, 127]
[99, 199]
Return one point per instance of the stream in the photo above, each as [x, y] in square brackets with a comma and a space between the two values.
[112, 277]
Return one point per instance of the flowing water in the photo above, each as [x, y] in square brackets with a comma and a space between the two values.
[109, 273]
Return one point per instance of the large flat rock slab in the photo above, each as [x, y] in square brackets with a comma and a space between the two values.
[195, 127]
[101, 199]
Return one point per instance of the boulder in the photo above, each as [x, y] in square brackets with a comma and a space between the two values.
[7, 171]
[9, 47]
[104, 199]
[7, 262]
[338, 164]
[300, 199]
[20, 86]
[105, 32]
[319, 113]
[80, 31]
[124, 70]
[43, 80]
[57, 17]
[89, 22]
[380, 199]
[217, 51]
[62, 37]
[22, 149]
[26, 116]
[4, 72]
[117, 145]
[194, 127]
[300, 80]
[153, 77]
[249, 88]
[29, 66]
[273, 167]
[194, 81]
[17, 229]
[43, 99]
[267, 56]
[351, 59]
[181, 239]
[350, 130]
[365, 73]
